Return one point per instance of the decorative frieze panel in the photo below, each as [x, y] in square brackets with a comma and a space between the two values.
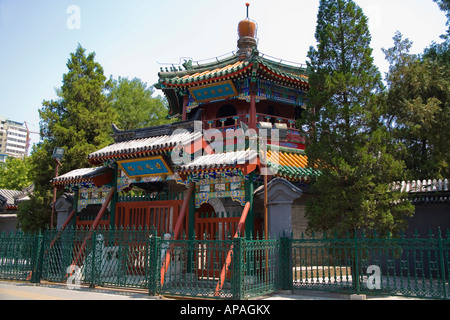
[91, 195]
[220, 187]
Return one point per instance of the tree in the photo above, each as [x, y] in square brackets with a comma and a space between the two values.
[79, 121]
[15, 173]
[444, 5]
[440, 52]
[347, 141]
[135, 106]
[418, 107]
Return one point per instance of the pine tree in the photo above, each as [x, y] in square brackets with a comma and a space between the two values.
[347, 141]
[78, 121]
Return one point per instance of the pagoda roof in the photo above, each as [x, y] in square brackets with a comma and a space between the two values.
[80, 175]
[220, 160]
[154, 131]
[288, 165]
[230, 68]
[142, 147]
[176, 82]
[291, 166]
[10, 198]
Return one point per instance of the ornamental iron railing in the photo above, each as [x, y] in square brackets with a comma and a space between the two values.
[134, 258]
[363, 264]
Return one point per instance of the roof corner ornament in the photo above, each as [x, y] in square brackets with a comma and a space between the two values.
[187, 64]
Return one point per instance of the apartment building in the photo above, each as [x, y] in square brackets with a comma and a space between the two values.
[13, 138]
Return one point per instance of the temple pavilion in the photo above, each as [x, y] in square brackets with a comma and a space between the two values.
[234, 136]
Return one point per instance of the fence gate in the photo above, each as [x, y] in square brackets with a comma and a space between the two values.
[146, 215]
[161, 215]
[218, 227]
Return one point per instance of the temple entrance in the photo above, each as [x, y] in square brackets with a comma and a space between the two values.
[212, 225]
[212, 228]
[204, 228]
[161, 215]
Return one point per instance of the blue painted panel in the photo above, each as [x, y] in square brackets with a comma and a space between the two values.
[145, 167]
[215, 91]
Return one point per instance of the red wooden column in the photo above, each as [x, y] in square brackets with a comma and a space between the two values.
[185, 103]
[252, 124]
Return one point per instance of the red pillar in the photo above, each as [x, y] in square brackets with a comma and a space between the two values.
[185, 103]
[252, 124]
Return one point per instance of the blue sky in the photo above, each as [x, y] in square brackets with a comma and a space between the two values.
[135, 38]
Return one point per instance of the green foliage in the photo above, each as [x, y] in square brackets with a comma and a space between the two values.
[347, 141]
[444, 5]
[418, 107]
[135, 105]
[79, 121]
[15, 173]
[34, 214]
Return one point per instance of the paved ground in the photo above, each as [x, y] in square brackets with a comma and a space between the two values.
[318, 295]
[47, 291]
[29, 291]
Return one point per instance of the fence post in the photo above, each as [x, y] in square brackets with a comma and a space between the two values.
[285, 260]
[238, 269]
[441, 257]
[37, 265]
[356, 266]
[93, 266]
[154, 269]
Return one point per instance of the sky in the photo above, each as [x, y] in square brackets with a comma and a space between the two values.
[135, 38]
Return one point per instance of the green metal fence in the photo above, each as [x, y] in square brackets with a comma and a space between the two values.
[413, 267]
[196, 267]
[136, 258]
[112, 257]
[20, 256]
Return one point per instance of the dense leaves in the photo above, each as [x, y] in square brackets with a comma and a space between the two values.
[135, 105]
[347, 140]
[418, 107]
[15, 173]
[79, 121]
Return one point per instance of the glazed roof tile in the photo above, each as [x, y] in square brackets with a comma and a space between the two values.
[283, 72]
[426, 191]
[435, 185]
[220, 160]
[231, 67]
[10, 195]
[83, 174]
[136, 146]
[292, 166]
[180, 79]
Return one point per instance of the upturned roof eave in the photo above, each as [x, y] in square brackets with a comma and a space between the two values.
[278, 70]
[199, 68]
